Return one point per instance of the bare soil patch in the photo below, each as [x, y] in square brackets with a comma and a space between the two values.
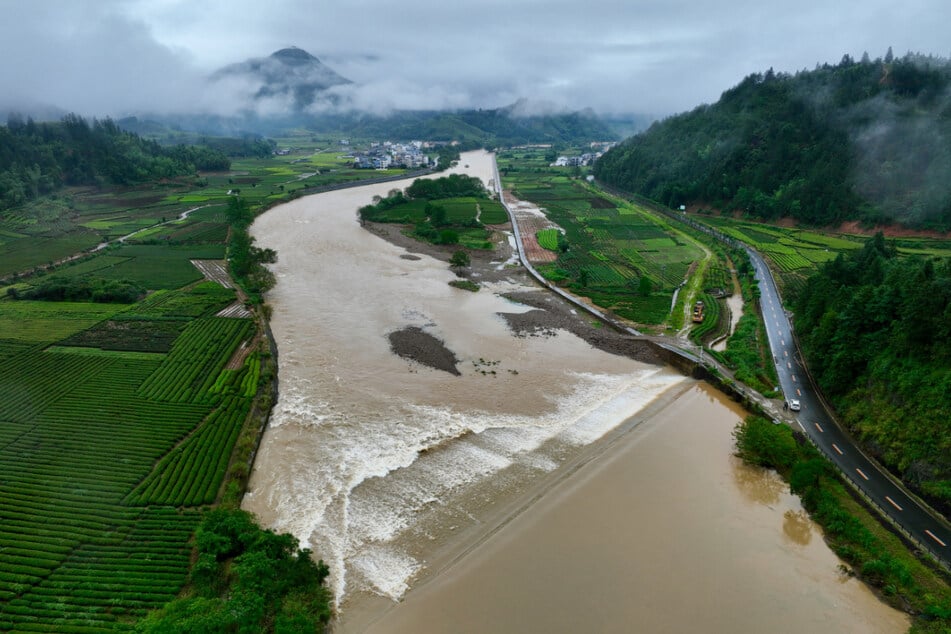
[417, 345]
[889, 231]
[553, 313]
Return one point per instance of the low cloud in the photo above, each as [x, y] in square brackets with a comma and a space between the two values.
[113, 57]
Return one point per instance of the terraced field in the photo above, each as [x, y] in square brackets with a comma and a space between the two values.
[793, 253]
[117, 424]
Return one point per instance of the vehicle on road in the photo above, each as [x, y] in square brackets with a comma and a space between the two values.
[794, 404]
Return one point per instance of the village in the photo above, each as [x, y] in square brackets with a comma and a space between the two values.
[588, 158]
[383, 155]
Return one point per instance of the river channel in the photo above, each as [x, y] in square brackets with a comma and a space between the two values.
[404, 478]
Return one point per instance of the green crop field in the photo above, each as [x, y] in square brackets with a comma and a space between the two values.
[108, 451]
[548, 239]
[793, 253]
[159, 266]
[612, 244]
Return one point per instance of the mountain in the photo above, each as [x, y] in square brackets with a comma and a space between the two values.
[867, 140]
[291, 76]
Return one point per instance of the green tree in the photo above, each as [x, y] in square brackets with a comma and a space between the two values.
[644, 286]
[583, 278]
[436, 214]
[460, 259]
[448, 236]
[760, 442]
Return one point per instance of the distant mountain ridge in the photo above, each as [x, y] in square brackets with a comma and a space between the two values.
[861, 140]
[290, 73]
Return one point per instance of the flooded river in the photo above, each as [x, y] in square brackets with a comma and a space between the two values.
[400, 476]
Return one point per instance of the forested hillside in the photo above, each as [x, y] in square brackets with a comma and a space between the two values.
[875, 328]
[867, 140]
[39, 158]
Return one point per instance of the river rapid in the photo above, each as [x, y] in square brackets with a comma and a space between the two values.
[390, 471]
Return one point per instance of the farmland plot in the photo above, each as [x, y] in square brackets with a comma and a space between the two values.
[102, 481]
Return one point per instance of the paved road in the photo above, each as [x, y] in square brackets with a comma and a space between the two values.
[818, 424]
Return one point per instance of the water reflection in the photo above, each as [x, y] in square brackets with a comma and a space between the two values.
[797, 527]
[757, 484]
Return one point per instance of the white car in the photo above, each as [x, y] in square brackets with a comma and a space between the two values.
[794, 404]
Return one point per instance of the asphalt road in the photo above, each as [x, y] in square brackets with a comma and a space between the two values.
[818, 424]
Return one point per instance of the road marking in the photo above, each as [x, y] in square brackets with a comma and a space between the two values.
[782, 342]
[836, 447]
[800, 424]
[934, 537]
[789, 365]
[786, 352]
[893, 503]
[861, 474]
[819, 427]
[794, 378]
[798, 392]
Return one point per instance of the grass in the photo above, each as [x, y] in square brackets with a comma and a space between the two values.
[466, 285]
[159, 266]
[77, 219]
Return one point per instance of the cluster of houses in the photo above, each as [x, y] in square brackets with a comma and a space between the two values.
[587, 158]
[387, 154]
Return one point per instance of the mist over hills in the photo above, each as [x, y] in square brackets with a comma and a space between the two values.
[292, 89]
[291, 79]
[866, 140]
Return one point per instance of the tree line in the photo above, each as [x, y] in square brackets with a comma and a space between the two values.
[40, 158]
[860, 140]
[245, 260]
[246, 579]
[874, 328]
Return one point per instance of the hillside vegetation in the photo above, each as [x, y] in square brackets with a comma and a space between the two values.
[40, 158]
[874, 328]
[867, 140]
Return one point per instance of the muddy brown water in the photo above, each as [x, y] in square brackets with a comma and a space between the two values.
[664, 532]
[400, 476]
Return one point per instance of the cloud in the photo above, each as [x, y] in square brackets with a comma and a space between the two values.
[86, 57]
[116, 56]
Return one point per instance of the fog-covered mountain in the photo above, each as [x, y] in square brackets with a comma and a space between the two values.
[290, 79]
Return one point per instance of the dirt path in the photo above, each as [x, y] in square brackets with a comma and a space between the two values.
[531, 219]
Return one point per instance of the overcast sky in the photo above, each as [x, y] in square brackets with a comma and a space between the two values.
[116, 57]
